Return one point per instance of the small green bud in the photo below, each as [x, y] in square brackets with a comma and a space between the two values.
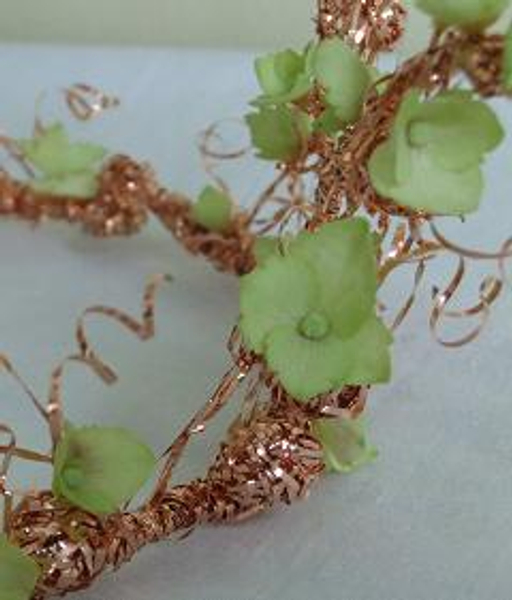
[213, 209]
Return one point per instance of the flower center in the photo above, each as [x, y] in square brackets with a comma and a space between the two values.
[73, 476]
[314, 326]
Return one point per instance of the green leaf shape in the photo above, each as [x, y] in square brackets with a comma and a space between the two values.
[507, 61]
[432, 159]
[63, 165]
[329, 123]
[309, 367]
[456, 130]
[77, 185]
[282, 77]
[427, 187]
[213, 210]
[342, 253]
[279, 292]
[345, 77]
[344, 443]
[265, 247]
[468, 14]
[279, 133]
[18, 572]
[99, 469]
[311, 312]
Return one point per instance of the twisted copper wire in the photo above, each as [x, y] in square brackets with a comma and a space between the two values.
[271, 456]
[272, 459]
[128, 194]
[373, 26]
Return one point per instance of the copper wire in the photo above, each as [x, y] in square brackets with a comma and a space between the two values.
[86, 355]
[269, 455]
[86, 102]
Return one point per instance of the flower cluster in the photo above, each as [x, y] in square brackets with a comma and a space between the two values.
[432, 159]
[280, 128]
[311, 312]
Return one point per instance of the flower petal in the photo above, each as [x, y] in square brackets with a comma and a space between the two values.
[52, 153]
[456, 132]
[279, 292]
[471, 14]
[507, 61]
[344, 75]
[99, 468]
[343, 255]
[279, 133]
[213, 209]
[18, 572]
[428, 188]
[344, 444]
[306, 368]
[368, 354]
[78, 185]
[278, 72]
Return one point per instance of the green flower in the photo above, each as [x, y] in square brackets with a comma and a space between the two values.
[279, 133]
[507, 62]
[99, 469]
[329, 122]
[213, 209]
[344, 443]
[432, 159]
[283, 77]
[343, 75]
[264, 248]
[18, 572]
[469, 14]
[66, 169]
[312, 311]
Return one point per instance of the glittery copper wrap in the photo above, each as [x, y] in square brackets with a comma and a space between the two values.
[270, 455]
[232, 251]
[344, 183]
[128, 194]
[483, 64]
[118, 209]
[372, 25]
[272, 458]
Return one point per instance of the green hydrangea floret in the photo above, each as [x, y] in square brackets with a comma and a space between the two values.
[343, 76]
[18, 572]
[279, 133]
[310, 311]
[432, 160]
[468, 14]
[213, 209]
[283, 77]
[507, 61]
[345, 443]
[63, 168]
[99, 469]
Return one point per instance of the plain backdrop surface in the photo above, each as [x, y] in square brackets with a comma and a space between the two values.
[430, 520]
[206, 23]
